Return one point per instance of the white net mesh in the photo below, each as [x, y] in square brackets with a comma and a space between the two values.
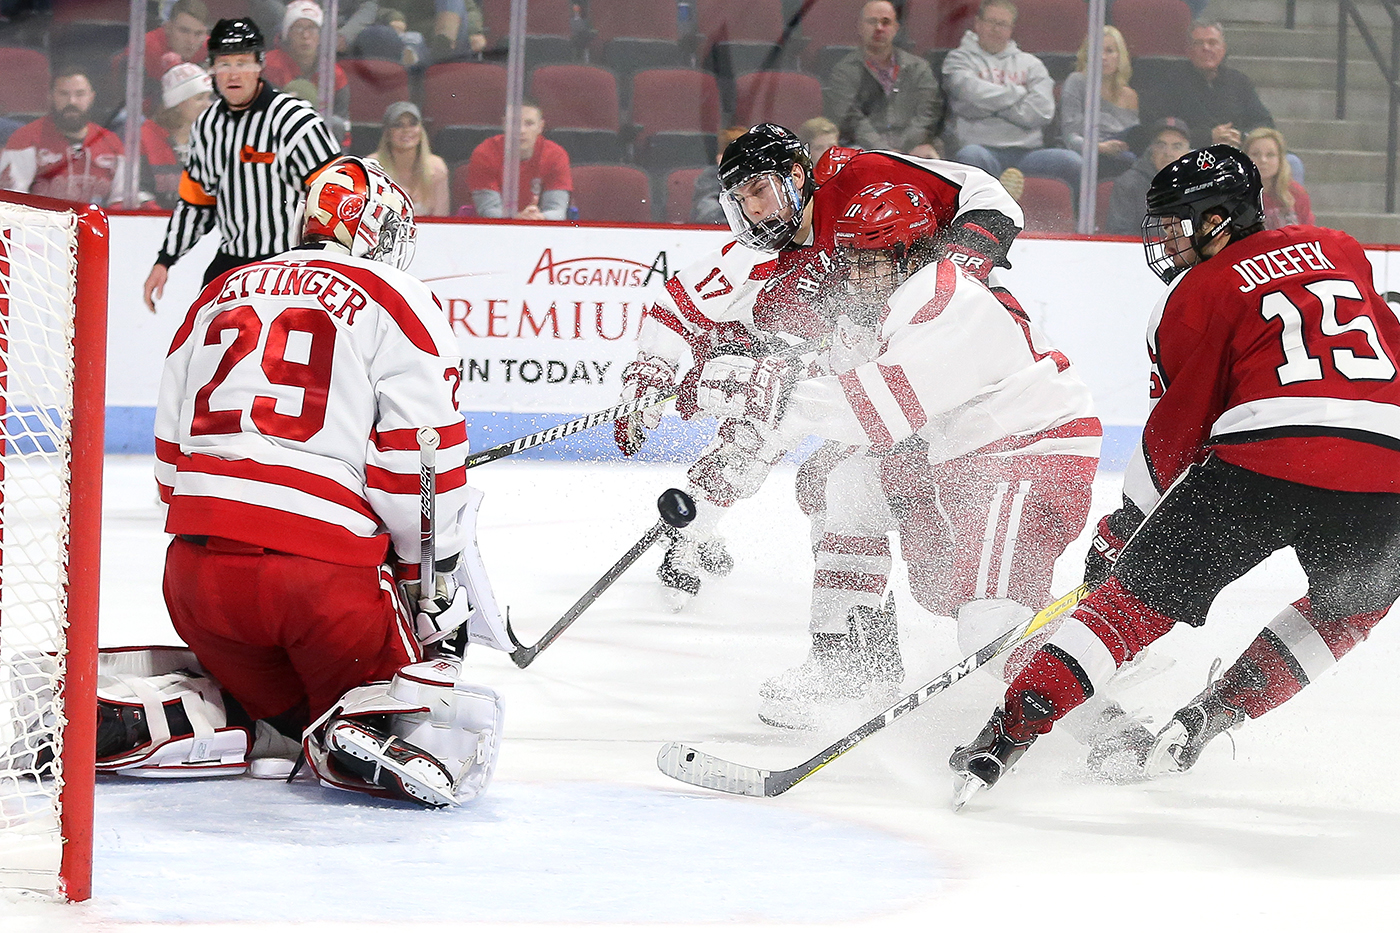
[38, 275]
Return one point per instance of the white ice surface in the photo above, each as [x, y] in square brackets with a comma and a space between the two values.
[1299, 830]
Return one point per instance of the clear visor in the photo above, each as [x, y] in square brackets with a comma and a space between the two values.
[872, 276]
[763, 211]
[1169, 244]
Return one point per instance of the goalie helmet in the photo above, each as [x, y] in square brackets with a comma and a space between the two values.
[883, 236]
[235, 36]
[1217, 180]
[756, 171]
[354, 207]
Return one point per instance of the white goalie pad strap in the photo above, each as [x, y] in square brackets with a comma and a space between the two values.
[222, 754]
[1296, 634]
[147, 661]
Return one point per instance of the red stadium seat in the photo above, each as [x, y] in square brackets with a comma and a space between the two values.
[463, 103]
[780, 97]
[1159, 28]
[680, 194]
[1104, 192]
[1049, 206]
[677, 113]
[548, 29]
[374, 85]
[1051, 26]
[635, 35]
[739, 36]
[580, 110]
[829, 28]
[91, 11]
[617, 193]
[937, 25]
[25, 91]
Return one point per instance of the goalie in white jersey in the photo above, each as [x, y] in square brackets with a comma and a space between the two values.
[955, 422]
[287, 451]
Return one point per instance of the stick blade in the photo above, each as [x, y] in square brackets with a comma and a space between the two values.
[693, 766]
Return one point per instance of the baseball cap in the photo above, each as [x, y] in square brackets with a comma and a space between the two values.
[400, 107]
[1169, 123]
[301, 9]
[183, 81]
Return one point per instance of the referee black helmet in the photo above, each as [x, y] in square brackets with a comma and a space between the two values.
[234, 36]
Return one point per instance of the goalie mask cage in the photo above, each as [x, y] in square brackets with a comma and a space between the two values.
[53, 343]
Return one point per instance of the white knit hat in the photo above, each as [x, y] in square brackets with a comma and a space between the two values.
[182, 82]
[301, 9]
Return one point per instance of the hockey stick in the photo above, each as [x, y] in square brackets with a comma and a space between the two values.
[677, 510]
[702, 769]
[606, 416]
[453, 648]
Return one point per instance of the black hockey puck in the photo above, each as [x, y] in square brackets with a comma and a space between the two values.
[676, 507]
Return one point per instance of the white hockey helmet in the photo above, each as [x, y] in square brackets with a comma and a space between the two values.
[355, 207]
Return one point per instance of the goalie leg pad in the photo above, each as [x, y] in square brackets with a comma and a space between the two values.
[160, 715]
[420, 737]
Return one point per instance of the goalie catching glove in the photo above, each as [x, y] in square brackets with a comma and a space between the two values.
[421, 737]
[646, 375]
[741, 387]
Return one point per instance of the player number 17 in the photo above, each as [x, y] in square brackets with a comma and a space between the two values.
[1301, 366]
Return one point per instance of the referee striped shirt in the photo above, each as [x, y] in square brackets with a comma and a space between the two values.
[248, 170]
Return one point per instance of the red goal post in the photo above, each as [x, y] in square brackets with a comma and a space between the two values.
[53, 345]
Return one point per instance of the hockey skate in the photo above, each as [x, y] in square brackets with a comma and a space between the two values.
[981, 763]
[405, 771]
[1180, 743]
[1118, 746]
[862, 667]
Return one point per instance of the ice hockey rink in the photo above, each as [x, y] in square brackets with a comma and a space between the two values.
[1298, 829]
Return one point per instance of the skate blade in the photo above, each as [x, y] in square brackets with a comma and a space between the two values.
[1160, 759]
[693, 766]
[676, 600]
[364, 747]
[966, 785]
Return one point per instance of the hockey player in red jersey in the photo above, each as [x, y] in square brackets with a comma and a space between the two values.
[1275, 422]
[287, 452]
[949, 417]
[773, 288]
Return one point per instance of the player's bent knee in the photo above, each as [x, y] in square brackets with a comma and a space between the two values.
[161, 715]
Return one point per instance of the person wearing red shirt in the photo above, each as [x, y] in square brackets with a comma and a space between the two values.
[186, 92]
[62, 154]
[183, 37]
[545, 179]
[299, 57]
[1274, 423]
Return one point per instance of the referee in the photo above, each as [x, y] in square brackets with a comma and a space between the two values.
[251, 158]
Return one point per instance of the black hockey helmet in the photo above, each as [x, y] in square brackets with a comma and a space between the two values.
[1215, 180]
[766, 151]
[233, 36]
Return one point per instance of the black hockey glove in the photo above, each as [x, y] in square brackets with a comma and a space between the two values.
[1113, 532]
[978, 241]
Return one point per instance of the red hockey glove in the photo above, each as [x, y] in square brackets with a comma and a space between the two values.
[646, 375]
[740, 387]
[1113, 531]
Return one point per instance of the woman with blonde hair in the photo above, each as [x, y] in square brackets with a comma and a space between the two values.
[405, 155]
[1285, 200]
[1118, 105]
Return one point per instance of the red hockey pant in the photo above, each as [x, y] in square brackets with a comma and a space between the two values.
[281, 631]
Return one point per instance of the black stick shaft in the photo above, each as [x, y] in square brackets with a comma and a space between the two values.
[568, 428]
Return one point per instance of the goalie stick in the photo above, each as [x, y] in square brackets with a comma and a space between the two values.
[688, 764]
[677, 510]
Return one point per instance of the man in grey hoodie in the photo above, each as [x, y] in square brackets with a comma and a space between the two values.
[1001, 98]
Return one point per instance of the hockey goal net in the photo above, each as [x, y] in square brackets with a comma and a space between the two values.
[53, 305]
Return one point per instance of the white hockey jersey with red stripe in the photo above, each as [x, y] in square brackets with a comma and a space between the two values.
[289, 409]
[961, 368]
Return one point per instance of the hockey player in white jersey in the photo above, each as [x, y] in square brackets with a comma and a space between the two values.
[773, 287]
[287, 453]
[961, 427]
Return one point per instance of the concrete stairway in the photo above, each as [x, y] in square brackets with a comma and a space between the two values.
[1295, 71]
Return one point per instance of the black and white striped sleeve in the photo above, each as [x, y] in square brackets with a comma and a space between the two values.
[307, 144]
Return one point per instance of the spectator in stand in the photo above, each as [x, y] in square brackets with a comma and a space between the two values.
[1218, 101]
[1002, 99]
[458, 29]
[1127, 205]
[63, 154]
[299, 57]
[1118, 105]
[545, 179]
[882, 97]
[818, 135]
[1285, 200]
[183, 37]
[186, 92]
[406, 157]
[704, 204]
[389, 38]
